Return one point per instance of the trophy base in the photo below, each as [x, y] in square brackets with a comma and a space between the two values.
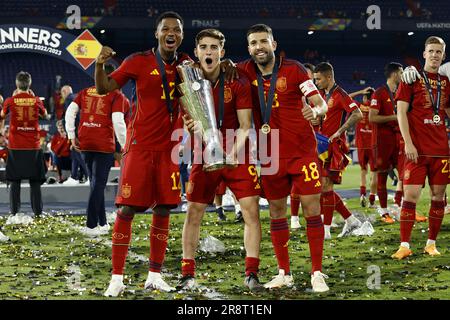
[218, 166]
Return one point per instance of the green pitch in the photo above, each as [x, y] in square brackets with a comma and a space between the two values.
[49, 259]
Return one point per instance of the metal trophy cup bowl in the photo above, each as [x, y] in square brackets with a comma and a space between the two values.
[198, 102]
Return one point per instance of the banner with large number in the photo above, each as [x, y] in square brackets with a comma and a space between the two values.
[80, 51]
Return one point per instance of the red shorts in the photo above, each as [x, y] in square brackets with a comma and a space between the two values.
[365, 157]
[149, 179]
[243, 182]
[301, 175]
[436, 169]
[386, 153]
[221, 189]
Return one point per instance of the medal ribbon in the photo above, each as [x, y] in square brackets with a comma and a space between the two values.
[434, 104]
[266, 108]
[162, 71]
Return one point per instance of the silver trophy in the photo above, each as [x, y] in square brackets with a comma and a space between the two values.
[198, 102]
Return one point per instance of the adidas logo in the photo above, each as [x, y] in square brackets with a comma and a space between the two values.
[318, 184]
[154, 72]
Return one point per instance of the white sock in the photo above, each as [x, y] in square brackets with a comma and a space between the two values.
[327, 228]
[351, 219]
[117, 277]
[237, 208]
[405, 244]
[217, 207]
[383, 211]
[431, 242]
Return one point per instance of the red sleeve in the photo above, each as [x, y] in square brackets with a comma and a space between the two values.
[6, 106]
[78, 98]
[375, 103]
[243, 94]
[347, 103]
[404, 93]
[120, 103]
[129, 69]
[40, 105]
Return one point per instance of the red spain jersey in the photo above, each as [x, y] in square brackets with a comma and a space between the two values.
[237, 96]
[363, 138]
[340, 105]
[95, 131]
[297, 137]
[24, 110]
[60, 145]
[150, 126]
[429, 138]
[381, 101]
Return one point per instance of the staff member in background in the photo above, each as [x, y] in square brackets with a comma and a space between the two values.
[101, 116]
[25, 158]
[60, 146]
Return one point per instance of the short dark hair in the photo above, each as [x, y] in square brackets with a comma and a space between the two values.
[391, 67]
[324, 67]
[168, 14]
[369, 93]
[23, 80]
[260, 27]
[211, 33]
[109, 68]
[309, 66]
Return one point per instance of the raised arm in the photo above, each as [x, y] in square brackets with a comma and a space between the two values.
[103, 83]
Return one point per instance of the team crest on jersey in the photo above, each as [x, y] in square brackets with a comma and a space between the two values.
[126, 191]
[91, 118]
[330, 103]
[281, 84]
[227, 95]
[407, 174]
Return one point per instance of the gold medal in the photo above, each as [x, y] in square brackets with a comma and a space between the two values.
[436, 118]
[265, 128]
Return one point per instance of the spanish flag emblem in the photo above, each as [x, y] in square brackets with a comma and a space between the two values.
[85, 49]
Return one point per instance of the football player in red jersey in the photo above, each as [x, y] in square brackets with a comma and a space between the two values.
[25, 158]
[101, 120]
[278, 86]
[233, 109]
[385, 135]
[421, 110]
[148, 146]
[363, 143]
[342, 113]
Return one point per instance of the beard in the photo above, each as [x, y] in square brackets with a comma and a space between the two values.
[264, 62]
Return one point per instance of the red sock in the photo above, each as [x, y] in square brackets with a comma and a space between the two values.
[362, 190]
[398, 198]
[372, 199]
[407, 219]
[121, 239]
[340, 206]
[251, 265]
[435, 218]
[295, 205]
[188, 267]
[159, 232]
[381, 189]
[327, 203]
[315, 234]
[279, 232]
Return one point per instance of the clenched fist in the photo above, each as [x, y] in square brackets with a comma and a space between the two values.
[104, 55]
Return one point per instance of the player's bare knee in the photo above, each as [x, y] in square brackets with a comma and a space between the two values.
[128, 211]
